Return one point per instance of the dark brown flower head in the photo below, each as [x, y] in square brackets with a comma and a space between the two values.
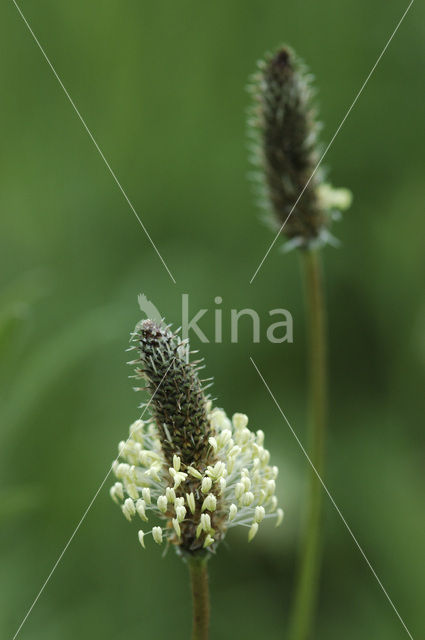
[285, 130]
[178, 401]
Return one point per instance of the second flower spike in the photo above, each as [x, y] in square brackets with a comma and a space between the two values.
[283, 123]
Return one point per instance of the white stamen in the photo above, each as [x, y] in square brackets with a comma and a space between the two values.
[176, 527]
[162, 503]
[180, 513]
[252, 532]
[208, 540]
[259, 514]
[280, 515]
[157, 534]
[194, 472]
[232, 511]
[191, 501]
[141, 538]
[176, 462]
[240, 420]
[170, 494]
[209, 503]
[146, 493]
[140, 508]
[206, 485]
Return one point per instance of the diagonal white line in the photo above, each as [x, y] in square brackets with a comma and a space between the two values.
[94, 141]
[84, 515]
[333, 501]
[332, 141]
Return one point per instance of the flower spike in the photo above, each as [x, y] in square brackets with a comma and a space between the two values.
[191, 467]
[286, 150]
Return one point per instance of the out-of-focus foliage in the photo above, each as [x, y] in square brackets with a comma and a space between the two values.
[162, 87]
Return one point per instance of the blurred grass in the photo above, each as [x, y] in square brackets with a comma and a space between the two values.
[162, 88]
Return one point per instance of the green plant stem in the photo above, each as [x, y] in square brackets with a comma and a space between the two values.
[200, 597]
[310, 557]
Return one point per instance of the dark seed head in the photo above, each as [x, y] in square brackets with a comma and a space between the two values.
[286, 147]
[177, 398]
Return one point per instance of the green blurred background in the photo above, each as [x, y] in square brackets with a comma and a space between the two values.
[162, 87]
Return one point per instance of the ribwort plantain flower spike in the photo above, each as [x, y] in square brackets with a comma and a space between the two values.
[283, 122]
[286, 150]
[189, 468]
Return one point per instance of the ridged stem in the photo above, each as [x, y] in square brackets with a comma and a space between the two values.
[200, 597]
[310, 558]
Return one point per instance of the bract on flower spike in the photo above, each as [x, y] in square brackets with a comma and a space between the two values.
[286, 150]
[188, 465]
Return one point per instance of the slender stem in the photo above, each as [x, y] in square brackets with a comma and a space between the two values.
[310, 557]
[200, 597]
